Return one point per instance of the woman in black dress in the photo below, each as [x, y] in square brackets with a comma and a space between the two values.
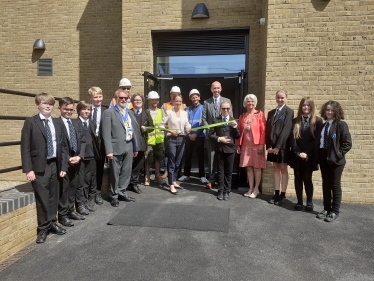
[303, 137]
[278, 128]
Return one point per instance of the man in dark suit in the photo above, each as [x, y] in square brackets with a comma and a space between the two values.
[119, 129]
[211, 111]
[73, 132]
[86, 191]
[223, 137]
[44, 160]
[143, 118]
[96, 96]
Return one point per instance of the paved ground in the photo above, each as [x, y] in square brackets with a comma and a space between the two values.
[265, 242]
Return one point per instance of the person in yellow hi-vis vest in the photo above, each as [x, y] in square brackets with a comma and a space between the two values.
[155, 150]
[169, 106]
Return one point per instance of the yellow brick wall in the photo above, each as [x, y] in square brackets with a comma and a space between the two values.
[324, 49]
[17, 229]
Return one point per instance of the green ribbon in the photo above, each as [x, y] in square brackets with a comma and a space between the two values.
[194, 129]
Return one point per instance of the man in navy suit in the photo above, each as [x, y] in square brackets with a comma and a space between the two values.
[44, 159]
[73, 132]
[211, 110]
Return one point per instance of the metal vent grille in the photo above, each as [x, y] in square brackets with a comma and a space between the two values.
[200, 43]
[45, 67]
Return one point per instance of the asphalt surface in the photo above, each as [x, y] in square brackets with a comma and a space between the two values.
[265, 242]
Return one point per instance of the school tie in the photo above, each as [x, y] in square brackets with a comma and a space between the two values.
[85, 125]
[137, 112]
[73, 137]
[49, 139]
[326, 136]
[276, 113]
[224, 119]
[305, 123]
[94, 117]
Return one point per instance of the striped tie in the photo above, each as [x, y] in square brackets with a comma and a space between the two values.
[49, 139]
[326, 136]
[73, 137]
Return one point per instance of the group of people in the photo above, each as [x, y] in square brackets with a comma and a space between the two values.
[64, 157]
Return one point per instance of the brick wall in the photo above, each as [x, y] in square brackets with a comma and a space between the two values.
[17, 229]
[324, 49]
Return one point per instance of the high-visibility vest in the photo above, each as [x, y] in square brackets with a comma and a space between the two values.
[196, 119]
[168, 106]
[156, 136]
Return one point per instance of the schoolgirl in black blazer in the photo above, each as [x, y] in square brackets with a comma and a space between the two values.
[333, 142]
[302, 140]
[278, 128]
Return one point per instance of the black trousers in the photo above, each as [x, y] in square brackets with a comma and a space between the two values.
[225, 168]
[192, 146]
[303, 176]
[86, 189]
[100, 170]
[331, 183]
[137, 165]
[46, 191]
[69, 185]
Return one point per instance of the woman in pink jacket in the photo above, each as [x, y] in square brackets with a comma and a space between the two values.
[251, 144]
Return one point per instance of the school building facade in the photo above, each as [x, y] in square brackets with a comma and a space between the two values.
[318, 48]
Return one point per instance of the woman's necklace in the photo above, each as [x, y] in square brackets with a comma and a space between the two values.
[248, 120]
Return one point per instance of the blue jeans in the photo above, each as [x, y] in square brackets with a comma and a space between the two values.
[175, 149]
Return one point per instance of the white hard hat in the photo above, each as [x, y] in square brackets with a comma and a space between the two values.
[153, 95]
[175, 89]
[125, 83]
[194, 91]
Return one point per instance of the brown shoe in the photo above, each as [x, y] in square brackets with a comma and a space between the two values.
[165, 175]
[147, 180]
[159, 179]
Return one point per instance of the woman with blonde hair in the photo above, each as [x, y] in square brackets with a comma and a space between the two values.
[251, 144]
[303, 137]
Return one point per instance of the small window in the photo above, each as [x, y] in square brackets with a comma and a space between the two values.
[45, 67]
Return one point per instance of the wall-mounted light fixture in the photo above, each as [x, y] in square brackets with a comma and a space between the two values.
[200, 11]
[262, 21]
[39, 44]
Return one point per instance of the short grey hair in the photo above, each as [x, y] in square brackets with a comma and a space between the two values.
[249, 96]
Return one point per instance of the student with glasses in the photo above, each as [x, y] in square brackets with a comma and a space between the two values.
[223, 137]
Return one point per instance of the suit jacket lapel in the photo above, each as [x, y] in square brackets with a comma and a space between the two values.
[120, 118]
[40, 124]
[284, 109]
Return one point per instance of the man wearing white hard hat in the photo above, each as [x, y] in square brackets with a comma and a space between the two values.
[155, 150]
[195, 139]
[126, 85]
[169, 106]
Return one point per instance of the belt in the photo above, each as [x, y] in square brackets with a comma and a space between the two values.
[51, 160]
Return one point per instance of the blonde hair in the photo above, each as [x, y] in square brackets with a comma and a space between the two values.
[95, 90]
[44, 97]
[299, 117]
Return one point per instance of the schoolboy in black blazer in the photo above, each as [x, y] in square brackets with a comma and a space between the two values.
[44, 159]
[224, 137]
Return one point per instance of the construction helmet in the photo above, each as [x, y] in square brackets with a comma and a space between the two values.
[175, 89]
[153, 95]
[125, 83]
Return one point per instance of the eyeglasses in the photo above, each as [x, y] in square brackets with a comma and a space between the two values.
[126, 88]
[68, 110]
[225, 108]
[123, 98]
[138, 100]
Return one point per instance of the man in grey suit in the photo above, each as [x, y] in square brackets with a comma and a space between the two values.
[120, 132]
[211, 111]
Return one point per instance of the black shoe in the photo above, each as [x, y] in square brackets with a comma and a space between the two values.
[273, 199]
[42, 236]
[309, 207]
[280, 201]
[75, 216]
[127, 198]
[226, 196]
[98, 199]
[136, 189]
[220, 195]
[298, 207]
[89, 207]
[114, 202]
[82, 210]
[65, 221]
[322, 215]
[331, 217]
[56, 229]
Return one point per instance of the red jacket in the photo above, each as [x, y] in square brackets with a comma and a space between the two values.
[257, 126]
